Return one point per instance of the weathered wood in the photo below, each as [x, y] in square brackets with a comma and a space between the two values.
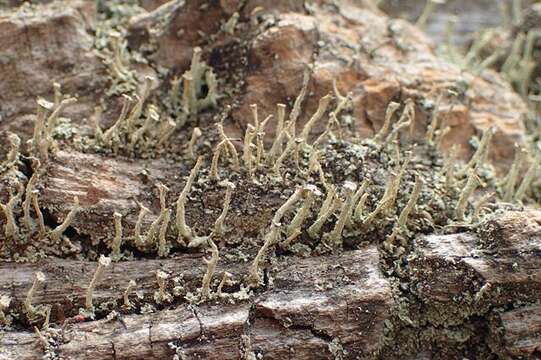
[517, 333]
[460, 275]
[312, 308]
[46, 44]
[67, 280]
[105, 185]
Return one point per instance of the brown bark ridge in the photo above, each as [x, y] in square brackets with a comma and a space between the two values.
[516, 332]
[494, 274]
[104, 185]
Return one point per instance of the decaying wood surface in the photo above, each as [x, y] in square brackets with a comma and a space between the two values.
[489, 277]
[309, 306]
[436, 286]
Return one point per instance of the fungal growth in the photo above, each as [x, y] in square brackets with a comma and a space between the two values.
[219, 228]
[35, 204]
[512, 177]
[126, 297]
[389, 113]
[471, 184]
[225, 279]
[323, 104]
[27, 220]
[199, 76]
[389, 197]
[57, 232]
[13, 155]
[139, 239]
[196, 134]
[335, 236]
[294, 229]
[5, 301]
[427, 11]
[11, 230]
[117, 240]
[327, 209]
[403, 218]
[162, 295]
[480, 154]
[272, 235]
[525, 185]
[163, 249]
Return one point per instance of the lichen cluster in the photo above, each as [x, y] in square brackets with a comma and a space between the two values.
[302, 193]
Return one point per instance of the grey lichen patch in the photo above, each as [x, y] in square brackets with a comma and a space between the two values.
[111, 46]
[388, 201]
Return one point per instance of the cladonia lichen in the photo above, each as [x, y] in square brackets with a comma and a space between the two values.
[103, 263]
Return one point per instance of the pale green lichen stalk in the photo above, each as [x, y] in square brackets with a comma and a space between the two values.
[117, 240]
[29, 309]
[103, 264]
[184, 231]
[335, 236]
[163, 248]
[389, 197]
[327, 209]
[321, 109]
[11, 230]
[5, 301]
[219, 228]
[27, 219]
[471, 184]
[389, 113]
[427, 11]
[272, 235]
[126, 296]
[162, 295]
[403, 218]
[153, 230]
[198, 76]
[211, 268]
[139, 239]
[512, 177]
[294, 229]
[57, 232]
[37, 210]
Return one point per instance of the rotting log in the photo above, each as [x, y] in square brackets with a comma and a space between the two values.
[310, 307]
